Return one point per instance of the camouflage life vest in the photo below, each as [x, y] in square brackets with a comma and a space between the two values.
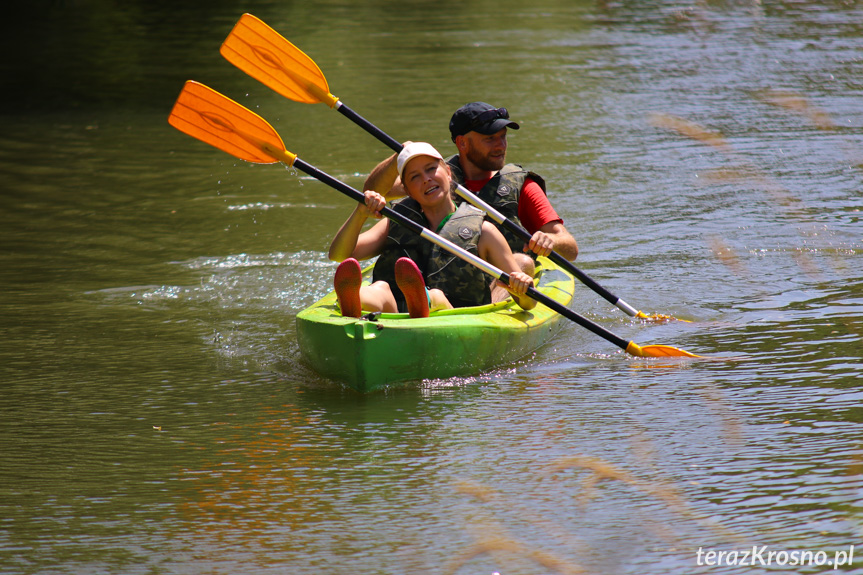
[462, 283]
[502, 192]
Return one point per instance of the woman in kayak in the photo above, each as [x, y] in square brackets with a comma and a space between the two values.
[412, 274]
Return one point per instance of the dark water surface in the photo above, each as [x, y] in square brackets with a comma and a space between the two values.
[156, 416]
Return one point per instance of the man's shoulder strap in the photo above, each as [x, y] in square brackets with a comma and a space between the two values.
[455, 166]
[539, 180]
[516, 168]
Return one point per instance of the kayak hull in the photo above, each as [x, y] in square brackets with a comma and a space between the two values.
[382, 349]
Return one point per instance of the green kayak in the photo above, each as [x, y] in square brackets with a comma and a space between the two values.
[380, 349]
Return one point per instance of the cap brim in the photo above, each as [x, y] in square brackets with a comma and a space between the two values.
[496, 126]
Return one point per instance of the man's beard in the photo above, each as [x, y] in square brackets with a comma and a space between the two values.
[484, 162]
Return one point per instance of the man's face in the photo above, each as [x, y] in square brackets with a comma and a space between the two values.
[486, 152]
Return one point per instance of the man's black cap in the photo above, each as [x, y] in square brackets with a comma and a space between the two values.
[479, 117]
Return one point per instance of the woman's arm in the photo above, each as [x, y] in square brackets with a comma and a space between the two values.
[494, 249]
[351, 241]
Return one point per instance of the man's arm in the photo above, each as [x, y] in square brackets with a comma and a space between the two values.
[539, 217]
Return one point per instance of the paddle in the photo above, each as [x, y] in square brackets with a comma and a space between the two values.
[267, 56]
[219, 121]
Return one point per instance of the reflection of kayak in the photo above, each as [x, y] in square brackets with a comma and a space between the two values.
[375, 350]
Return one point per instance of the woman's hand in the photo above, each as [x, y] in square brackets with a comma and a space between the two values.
[519, 282]
[374, 203]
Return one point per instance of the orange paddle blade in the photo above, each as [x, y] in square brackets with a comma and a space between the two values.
[268, 57]
[657, 351]
[219, 121]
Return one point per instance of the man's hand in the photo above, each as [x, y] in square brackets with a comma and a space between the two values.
[561, 241]
[540, 243]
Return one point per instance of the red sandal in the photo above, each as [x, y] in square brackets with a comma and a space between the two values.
[410, 281]
[347, 282]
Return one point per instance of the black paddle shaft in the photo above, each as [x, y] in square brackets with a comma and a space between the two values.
[394, 145]
[430, 236]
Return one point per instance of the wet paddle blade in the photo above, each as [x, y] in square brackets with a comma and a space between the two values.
[666, 351]
[217, 120]
[659, 318]
[657, 351]
[265, 55]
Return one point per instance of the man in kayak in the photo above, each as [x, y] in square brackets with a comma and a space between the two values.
[479, 131]
[409, 263]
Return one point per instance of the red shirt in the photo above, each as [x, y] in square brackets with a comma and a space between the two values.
[534, 209]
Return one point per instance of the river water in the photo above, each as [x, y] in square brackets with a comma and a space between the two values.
[156, 416]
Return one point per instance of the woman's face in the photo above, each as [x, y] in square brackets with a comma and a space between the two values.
[427, 180]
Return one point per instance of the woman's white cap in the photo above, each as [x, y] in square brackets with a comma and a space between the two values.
[413, 150]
